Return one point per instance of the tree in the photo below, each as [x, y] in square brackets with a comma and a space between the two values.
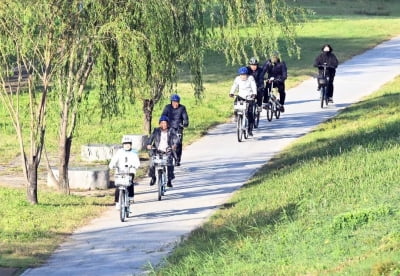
[26, 52]
[189, 28]
[134, 48]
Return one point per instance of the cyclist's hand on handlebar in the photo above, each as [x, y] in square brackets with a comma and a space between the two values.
[271, 79]
[231, 95]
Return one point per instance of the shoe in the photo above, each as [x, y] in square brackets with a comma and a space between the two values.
[259, 108]
[169, 183]
[264, 106]
[117, 205]
[178, 164]
[152, 181]
[282, 109]
[131, 199]
[319, 88]
[250, 133]
[330, 100]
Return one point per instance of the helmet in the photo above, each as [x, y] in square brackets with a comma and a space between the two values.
[253, 61]
[163, 118]
[126, 140]
[175, 98]
[243, 71]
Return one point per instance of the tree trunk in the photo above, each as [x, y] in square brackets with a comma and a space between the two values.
[31, 189]
[148, 106]
[63, 157]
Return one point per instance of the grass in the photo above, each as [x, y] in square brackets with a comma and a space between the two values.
[284, 221]
[28, 234]
[328, 205]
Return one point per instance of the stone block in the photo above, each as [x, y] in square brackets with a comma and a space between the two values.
[86, 178]
[104, 152]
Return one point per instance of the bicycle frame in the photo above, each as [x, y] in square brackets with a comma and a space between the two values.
[122, 180]
[241, 108]
[323, 83]
[160, 161]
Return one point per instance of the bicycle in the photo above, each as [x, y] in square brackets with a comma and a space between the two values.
[160, 161]
[240, 108]
[123, 179]
[273, 106]
[323, 82]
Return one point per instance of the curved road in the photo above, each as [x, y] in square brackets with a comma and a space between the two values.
[109, 247]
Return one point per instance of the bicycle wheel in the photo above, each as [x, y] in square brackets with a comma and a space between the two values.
[323, 95]
[245, 128]
[164, 181]
[160, 184]
[240, 128]
[256, 119]
[277, 111]
[269, 112]
[122, 209]
[326, 96]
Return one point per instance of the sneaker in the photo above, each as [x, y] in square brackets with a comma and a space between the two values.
[264, 105]
[152, 181]
[250, 133]
[169, 183]
[117, 205]
[319, 88]
[131, 199]
[282, 109]
[330, 100]
[259, 108]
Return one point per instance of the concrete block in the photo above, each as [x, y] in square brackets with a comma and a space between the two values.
[104, 152]
[86, 178]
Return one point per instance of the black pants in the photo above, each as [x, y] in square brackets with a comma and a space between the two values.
[260, 95]
[281, 90]
[179, 145]
[130, 188]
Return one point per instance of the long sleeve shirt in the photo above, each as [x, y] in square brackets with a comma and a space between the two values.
[246, 87]
[123, 159]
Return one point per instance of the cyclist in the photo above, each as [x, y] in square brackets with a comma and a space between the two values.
[247, 88]
[255, 71]
[126, 157]
[178, 119]
[275, 68]
[166, 140]
[326, 56]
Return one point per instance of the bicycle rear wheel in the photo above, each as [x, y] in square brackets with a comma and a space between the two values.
[160, 184]
[122, 203]
[256, 116]
[277, 111]
[323, 95]
[269, 112]
[240, 128]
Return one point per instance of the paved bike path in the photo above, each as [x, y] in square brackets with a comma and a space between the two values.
[212, 169]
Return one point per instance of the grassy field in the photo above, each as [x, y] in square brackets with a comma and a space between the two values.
[328, 205]
[284, 218]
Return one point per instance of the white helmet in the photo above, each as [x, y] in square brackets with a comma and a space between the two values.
[126, 140]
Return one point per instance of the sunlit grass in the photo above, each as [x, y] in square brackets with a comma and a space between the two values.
[328, 205]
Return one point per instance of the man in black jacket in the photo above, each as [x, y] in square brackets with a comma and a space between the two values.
[178, 119]
[256, 71]
[326, 56]
[276, 69]
[163, 139]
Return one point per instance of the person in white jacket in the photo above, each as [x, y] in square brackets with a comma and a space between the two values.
[125, 159]
[247, 90]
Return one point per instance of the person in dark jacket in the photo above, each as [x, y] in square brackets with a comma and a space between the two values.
[326, 56]
[178, 119]
[276, 69]
[163, 139]
[256, 71]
